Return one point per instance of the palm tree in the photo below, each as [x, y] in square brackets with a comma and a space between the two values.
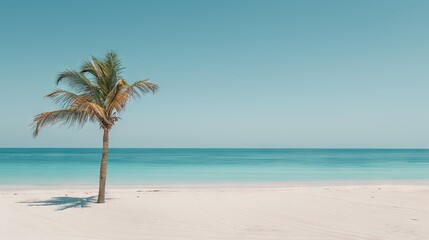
[97, 93]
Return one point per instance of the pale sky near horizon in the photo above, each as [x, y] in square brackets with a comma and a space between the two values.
[231, 73]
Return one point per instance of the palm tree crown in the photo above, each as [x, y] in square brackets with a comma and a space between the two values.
[98, 93]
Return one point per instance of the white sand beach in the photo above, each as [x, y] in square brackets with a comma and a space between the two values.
[241, 212]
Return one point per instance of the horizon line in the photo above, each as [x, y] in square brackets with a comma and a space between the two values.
[375, 148]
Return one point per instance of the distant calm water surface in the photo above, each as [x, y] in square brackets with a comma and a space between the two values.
[55, 166]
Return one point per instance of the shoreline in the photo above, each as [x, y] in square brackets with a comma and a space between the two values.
[289, 184]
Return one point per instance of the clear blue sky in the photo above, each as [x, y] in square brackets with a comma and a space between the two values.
[231, 73]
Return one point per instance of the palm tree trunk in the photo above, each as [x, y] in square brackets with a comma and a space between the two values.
[103, 168]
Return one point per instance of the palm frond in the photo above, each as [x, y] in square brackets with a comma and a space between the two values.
[99, 72]
[76, 81]
[96, 111]
[67, 117]
[143, 87]
[68, 99]
[80, 103]
[122, 92]
[113, 64]
[118, 97]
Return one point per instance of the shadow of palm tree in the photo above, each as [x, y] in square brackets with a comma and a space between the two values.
[64, 203]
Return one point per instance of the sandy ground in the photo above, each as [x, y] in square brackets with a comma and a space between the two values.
[223, 212]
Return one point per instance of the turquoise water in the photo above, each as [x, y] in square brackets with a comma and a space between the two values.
[20, 166]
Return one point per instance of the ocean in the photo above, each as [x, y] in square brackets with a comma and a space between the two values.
[80, 166]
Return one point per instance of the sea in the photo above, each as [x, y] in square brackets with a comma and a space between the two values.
[131, 166]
